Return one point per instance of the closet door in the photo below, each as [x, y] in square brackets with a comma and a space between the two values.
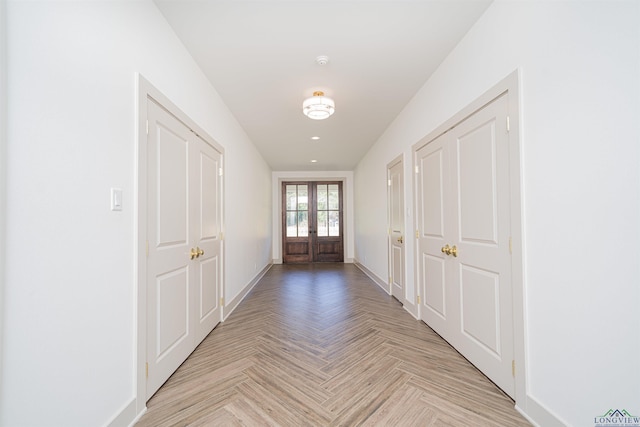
[464, 223]
[434, 214]
[481, 271]
[206, 196]
[170, 269]
[184, 263]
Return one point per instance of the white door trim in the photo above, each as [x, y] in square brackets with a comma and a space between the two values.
[146, 90]
[510, 84]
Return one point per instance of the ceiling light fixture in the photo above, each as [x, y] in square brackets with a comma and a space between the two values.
[318, 107]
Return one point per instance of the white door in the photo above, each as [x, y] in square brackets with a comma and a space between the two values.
[467, 286]
[183, 264]
[434, 211]
[206, 187]
[482, 268]
[396, 229]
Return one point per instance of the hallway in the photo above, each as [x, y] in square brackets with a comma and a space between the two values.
[321, 344]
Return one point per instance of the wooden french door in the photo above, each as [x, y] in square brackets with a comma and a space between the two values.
[312, 222]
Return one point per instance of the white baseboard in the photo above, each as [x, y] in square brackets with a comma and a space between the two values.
[233, 304]
[125, 415]
[372, 276]
[538, 414]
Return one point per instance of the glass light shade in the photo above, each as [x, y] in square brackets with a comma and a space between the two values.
[318, 107]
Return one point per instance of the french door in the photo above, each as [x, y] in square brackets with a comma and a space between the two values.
[312, 222]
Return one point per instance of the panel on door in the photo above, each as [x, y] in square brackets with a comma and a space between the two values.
[396, 229]
[482, 269]
[169, 301]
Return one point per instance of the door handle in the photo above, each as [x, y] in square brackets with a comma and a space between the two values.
[400, 239]
[453, 250]
[201, 252]
[194, 253]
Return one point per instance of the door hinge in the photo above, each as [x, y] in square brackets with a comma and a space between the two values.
[146, 369]
[220, 173]
[417, 169]
[418, 299]
[147, 127]
[510, 245]
[390, 280]
[513, 368]
[389, 182]
[417, 234]
[221, 235]
[222, 301]
[508, 124]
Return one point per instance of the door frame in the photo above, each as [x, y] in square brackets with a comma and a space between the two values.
[146, 90]
[510, 85]
[390, 165]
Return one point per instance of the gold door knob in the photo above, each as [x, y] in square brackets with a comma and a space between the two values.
[400, 239]
[446, 250]
[454, 251]
[200, 252]
[194, 253]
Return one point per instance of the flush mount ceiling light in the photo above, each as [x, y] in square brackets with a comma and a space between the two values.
[318, 107]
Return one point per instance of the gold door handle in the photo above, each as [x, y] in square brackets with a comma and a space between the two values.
[199, 252]
[400, 239]
[446, 250]
[454, 251]
[194, 253]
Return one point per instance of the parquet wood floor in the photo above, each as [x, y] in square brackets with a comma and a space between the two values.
[322, 345]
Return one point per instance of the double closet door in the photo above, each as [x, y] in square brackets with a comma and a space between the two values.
[464, 221]
[312, 222]
[184, 261]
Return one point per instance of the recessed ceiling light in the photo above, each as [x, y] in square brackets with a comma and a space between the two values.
[314, 161]
[315, 138]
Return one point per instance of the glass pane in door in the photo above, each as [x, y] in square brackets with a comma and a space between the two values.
[297, 206]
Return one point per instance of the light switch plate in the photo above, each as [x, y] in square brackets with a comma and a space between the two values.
[116, 199]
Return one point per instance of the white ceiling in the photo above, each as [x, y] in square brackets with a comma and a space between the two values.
[260, 57]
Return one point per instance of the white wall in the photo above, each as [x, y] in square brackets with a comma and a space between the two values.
[69, 313]
[580, 68]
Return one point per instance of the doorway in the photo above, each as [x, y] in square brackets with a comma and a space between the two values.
[395, 201]
[312, 222]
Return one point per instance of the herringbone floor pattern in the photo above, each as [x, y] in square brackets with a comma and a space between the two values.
[322, 345]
